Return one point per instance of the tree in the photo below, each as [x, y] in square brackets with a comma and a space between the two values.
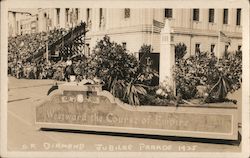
[119, 70]
[219, 76]
[180, 51]
[111, 62]
[145, 49]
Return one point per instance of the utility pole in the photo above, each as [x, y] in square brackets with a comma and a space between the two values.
[47, 40]
[47, 50]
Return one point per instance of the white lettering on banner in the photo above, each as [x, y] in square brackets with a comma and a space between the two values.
[79, 99]
[146, 120]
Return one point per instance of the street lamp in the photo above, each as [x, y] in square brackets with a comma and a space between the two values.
[47, 39]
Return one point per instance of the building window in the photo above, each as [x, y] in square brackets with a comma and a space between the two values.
[57, 15]
[225, 16]
[238, 16]
[226, 48]
[211, 16]
[100, 17]
[196, 14]
[197, 48]
[126, 13]
[239, 47]
[77, 12]
[168, 13]
[124, 45]
[212, 47]
[87, 49]
[88, 18]
[88, 14]
[67, 14]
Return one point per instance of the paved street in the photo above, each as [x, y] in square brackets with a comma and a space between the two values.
[22, 134]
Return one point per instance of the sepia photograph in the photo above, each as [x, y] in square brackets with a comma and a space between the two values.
[113, 80]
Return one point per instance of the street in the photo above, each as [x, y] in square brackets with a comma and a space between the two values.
[23, 136]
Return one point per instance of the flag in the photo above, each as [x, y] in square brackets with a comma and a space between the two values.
[224, 38]
[158, 23]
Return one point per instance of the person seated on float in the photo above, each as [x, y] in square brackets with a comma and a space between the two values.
[98, 80]
[86, 80]
[69, 69]
[69, 61]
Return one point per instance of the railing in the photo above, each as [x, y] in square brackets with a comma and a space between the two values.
[65, 41]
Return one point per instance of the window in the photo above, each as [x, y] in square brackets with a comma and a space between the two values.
[212, 47]
[197, 48]
[196, 14]
[88, 14]
[238, 16]
[100, 17]
[226, 48]
[87, 49]
[239, 47]
[77, 12]
[168, 13]
[126, 13]
[58, 15]
[225, 16]
[88, 18]
[172, 38]
[124, 45]
[211, 15]
[67, 14]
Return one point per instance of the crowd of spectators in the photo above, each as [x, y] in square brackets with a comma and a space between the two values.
[60, 70]
[22, 47]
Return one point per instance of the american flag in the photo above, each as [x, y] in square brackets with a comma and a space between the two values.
[224, 38]
[158, 23]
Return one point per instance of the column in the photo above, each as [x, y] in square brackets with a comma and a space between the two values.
[68, 25]
[95, 19]
[14, 26]
[167, 55]
[54, 18]
[62, 17]
[82, 14]
[107, 18]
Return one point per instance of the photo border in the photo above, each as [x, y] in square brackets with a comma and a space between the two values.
[244, 4]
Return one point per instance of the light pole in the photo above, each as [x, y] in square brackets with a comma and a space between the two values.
[47, 40]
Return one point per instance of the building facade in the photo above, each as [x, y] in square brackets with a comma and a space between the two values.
[14, 22]
[198, 28]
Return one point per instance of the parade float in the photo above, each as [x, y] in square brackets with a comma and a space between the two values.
[115, 107]
[78, 106]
